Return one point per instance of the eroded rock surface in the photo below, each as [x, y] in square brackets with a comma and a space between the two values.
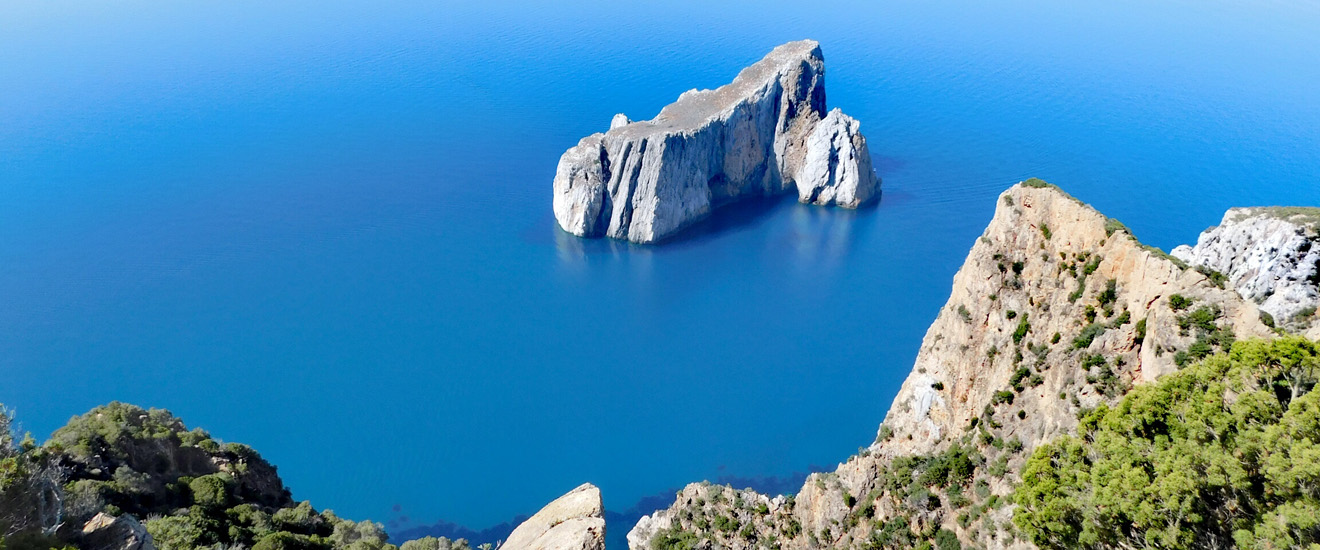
[107, 532]
[765, 133]
[1055, 310]
[574, 521]
[1271, 255]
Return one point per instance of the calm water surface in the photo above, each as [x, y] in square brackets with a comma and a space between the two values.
[324, 228]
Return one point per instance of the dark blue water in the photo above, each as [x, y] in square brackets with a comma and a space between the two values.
[324, 228]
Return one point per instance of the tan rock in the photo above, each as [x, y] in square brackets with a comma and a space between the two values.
[107, 532]
[574, 521]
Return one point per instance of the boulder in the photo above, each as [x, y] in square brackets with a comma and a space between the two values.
[574, 521]
[107, 532]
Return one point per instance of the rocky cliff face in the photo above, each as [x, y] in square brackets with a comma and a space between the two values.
[1056, 309]
[574, 521]
[1270, 255]
[765, 133]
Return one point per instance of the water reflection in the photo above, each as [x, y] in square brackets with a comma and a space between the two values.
[812, 238]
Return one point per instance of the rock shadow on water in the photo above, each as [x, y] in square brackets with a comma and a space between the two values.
[829, 230]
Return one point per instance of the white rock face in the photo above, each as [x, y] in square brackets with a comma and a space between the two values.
[837, 167]
[1270, 255]
[574, 521]
[644, 181]
[107, 532]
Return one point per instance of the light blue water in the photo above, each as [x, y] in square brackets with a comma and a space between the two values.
[323, 228]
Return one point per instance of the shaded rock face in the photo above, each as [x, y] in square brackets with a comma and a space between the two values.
[1270, 255]
[757, 136]
[1055, 310]
[107, 532]
[574, 521]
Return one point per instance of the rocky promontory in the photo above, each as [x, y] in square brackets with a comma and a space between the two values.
[1056, 311]
[768, 132]
[1271, 255]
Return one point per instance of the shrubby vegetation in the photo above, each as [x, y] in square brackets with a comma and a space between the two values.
[189, 490]
[1224, 452]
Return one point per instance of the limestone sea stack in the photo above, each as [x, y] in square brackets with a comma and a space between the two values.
[768, 132]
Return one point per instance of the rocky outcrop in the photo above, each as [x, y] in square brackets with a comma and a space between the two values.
[107, 532]
[765, 133]
[1270, 255]
[574, 521]
[1055, 310]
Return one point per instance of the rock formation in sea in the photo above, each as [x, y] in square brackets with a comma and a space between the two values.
[1057, 309]
[574, 521]
[768, 132]
[1271, 255]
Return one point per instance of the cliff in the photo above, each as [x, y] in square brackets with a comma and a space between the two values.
[767, 132]
[1271, 255]
[1056, 310]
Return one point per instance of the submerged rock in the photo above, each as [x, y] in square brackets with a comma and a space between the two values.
[574, 521]
[1270, 255]
[764, 134]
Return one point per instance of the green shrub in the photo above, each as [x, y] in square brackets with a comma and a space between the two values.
[1035, 183]
[947, 540]
[1088, 335]
[1178, 302]
[1022, 328]
[1112, 226]
[211, 491]
[1210, 456]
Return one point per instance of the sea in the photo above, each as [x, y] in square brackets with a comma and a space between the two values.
[323, 228]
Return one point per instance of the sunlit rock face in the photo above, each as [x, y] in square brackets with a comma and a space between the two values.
[1270, 255]
[574, 521]
[766, 133]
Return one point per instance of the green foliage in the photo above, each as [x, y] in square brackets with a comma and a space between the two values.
[1225, 452]
[1021, 331]
[966, 315]
[1112, 226]
[1045, 231]
[1088, 335]
[1216, 278]
[1002, 397]
[1178, 302]
[1036, 183]
[211, 490]
[1110, 294]
[947, 540]
[1091, 266]
[433, 543]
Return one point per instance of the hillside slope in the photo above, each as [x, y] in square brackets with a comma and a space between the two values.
[1056, 310]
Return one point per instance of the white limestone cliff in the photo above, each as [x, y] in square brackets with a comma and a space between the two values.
[1271, 255]
[765, 133]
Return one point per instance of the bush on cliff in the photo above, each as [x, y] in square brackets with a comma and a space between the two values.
[1223, 453]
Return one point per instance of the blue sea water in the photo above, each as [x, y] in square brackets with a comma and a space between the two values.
[323, 228]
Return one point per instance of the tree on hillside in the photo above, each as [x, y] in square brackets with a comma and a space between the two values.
[1223, 453]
